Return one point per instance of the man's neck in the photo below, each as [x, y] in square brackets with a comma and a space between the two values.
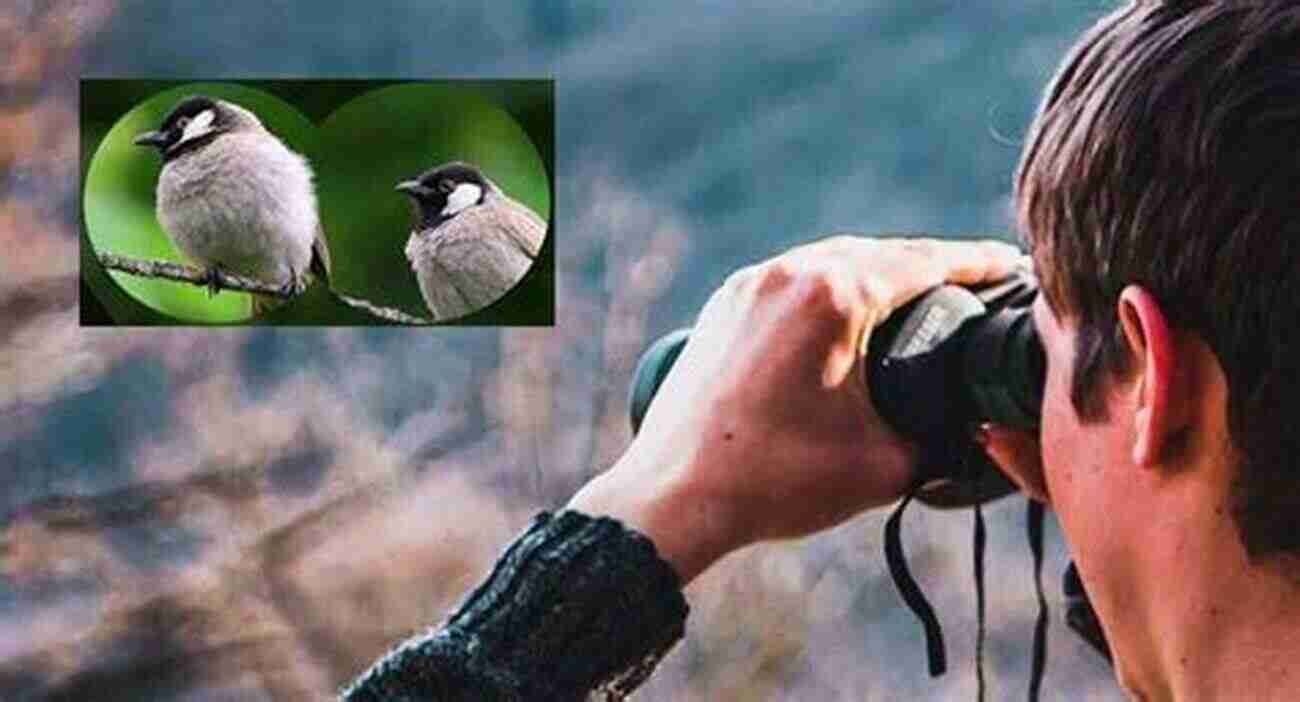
[1217, 627]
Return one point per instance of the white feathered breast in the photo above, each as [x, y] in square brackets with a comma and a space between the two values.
[244, 201]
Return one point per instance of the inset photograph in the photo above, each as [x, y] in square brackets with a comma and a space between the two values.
[317, 202]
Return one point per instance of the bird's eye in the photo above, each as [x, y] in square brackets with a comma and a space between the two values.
[446, 186]
[182, 122]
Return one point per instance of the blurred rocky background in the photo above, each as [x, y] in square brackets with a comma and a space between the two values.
[193, 514]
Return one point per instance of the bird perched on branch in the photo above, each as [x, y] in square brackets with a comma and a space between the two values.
[233, 198]
[471, 243]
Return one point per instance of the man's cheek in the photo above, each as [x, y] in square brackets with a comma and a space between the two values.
[1058, 438]
[1050, 468]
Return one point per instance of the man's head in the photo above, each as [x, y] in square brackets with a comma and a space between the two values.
[1166, 155]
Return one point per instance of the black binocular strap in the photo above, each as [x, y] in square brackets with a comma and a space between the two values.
[1034, 529]
[920, 606]
[979, 602]
[910, 591]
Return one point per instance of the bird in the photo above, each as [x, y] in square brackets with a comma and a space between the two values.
[233, 198]
[470, 242]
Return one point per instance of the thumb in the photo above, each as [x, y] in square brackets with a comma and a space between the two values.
[1017, 453]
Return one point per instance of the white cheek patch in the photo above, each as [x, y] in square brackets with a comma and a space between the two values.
[197, 127]
[463, 196]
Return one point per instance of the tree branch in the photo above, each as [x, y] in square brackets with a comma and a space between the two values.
[388, 313]
[184, 273]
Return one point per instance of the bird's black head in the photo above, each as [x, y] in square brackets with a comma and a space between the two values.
[193, 122]
[443, 192]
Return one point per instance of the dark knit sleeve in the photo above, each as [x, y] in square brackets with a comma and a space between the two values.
[576, 605]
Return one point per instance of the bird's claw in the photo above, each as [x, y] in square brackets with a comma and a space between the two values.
[214, 280]
[294, 287]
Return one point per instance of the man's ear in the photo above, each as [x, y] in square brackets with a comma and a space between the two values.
[1161, 406]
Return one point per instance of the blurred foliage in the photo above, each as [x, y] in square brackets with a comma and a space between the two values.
[361, 149]
[256, 514]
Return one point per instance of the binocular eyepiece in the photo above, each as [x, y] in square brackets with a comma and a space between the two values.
[953, 358]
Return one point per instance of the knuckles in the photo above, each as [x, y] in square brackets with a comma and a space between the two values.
[740, 279]
[831, 279]
[841, 242]
[822, 296]
[920, 247]
[817, 288]
[778, 274]
[811, 287]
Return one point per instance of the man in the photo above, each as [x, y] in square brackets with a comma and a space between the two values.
[1158, 195]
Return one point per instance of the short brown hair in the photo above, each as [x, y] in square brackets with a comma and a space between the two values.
[1166, 153]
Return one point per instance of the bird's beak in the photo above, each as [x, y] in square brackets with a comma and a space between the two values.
[154, 139]
[412, 188]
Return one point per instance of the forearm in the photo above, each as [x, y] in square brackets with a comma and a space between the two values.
[575, 604]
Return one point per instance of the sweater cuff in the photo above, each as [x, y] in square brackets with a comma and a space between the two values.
[577, 604]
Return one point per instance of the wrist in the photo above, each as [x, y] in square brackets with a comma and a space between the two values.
[690, 531]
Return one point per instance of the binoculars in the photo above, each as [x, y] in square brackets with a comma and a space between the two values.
[951, 359]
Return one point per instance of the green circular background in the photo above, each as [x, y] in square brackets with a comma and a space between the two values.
[395, 133]
[118, 202]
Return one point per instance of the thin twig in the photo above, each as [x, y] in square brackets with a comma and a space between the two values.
[184, 273]
[388, 313]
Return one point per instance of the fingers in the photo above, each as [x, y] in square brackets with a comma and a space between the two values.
[972, 262]
[892, 272]
[911, 263]
[1016, 452]
[852, 283]
[848, 284]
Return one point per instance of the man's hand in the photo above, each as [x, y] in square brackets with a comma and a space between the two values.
[764, 428]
